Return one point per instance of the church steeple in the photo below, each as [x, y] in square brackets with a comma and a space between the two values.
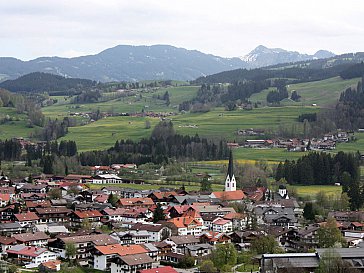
[230, 182]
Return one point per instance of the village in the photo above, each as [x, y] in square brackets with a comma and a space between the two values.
[56, 219]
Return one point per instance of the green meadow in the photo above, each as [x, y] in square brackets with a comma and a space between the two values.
[323, 93]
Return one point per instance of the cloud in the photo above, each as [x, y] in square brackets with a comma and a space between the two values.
[31, 28]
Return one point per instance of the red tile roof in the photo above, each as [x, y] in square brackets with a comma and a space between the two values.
[230, 195]
[87, 214]
[4, 197]
[165, 269]
[121, 250]
[29, 251]
[182, 222]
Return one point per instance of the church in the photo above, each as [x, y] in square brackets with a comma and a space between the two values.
[230, 194]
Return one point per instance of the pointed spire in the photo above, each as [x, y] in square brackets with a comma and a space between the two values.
[231, 165]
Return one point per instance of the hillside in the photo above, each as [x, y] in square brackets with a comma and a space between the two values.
[45, 82]
[311, 70]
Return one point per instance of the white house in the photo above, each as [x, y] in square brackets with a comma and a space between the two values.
[30, 255]
[222, 225]
[106, 179]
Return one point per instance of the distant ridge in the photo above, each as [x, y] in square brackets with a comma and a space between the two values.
[263, 56]
[157, 62]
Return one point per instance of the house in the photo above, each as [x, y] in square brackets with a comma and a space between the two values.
[33, 205]
[27, 219]
[179, 243]
[106, 179]
[50, 266]
[239, 220]
[8, 190]
[132, 237]
[213, 238]
[7, 213]
[30, 256]
[84, 244]
[162, 269]
[53, 214]
[187, 225]
[9, 229]
[217, 210]
[135, 202]
[163, 197]
[157, 232]
[79, 217]
[103, 254]
[222, 225]
[31, 188]
[4, 199]
[198, 250]
[33, 196]
[51, 228]
[131, 263]
[5, 244]
[39, 239]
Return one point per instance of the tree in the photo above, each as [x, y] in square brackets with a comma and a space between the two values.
[55, 193]
[205, 185]
[329, 235]
[207, 266]
[86, 224]
[309, 211]
[113, 199]
[187, 262]
[331, 262]
[265, 244]
[224, 255]
[71, 251]
[158, 214]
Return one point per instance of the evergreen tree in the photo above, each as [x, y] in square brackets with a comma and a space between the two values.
[158, 214]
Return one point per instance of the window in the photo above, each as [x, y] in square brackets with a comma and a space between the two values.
[228, 184]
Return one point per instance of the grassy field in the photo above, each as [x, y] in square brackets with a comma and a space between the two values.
[216, 124]
[323, 93]
[190, 186]
[148, 101]
[314, 189]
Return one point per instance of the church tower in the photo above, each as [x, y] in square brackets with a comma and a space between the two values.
[230, 182]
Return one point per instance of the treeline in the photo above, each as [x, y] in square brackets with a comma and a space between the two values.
[280, 94]
[349, 112]
[298, 73]
[354, 71]
[325, 169]
[163, 145]
[10, 150]
[45, 82]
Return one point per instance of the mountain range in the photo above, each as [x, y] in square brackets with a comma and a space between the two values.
[135, 63]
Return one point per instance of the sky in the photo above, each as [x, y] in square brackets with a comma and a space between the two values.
[229, 28]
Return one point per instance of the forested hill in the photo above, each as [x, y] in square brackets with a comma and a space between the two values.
[45, 82]
[298, 72]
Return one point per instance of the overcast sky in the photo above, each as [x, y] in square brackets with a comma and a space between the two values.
[33, 28]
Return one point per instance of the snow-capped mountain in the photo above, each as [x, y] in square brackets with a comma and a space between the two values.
[263, 56]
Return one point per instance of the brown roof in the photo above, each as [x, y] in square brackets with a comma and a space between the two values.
[7, 240]
[147, 227]
[28, 237]
[186, 239]
[52, 210]
[27, 216]
[136, 259]
[96, 239]
[51, 264]
[137, 201]
[39, 203]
